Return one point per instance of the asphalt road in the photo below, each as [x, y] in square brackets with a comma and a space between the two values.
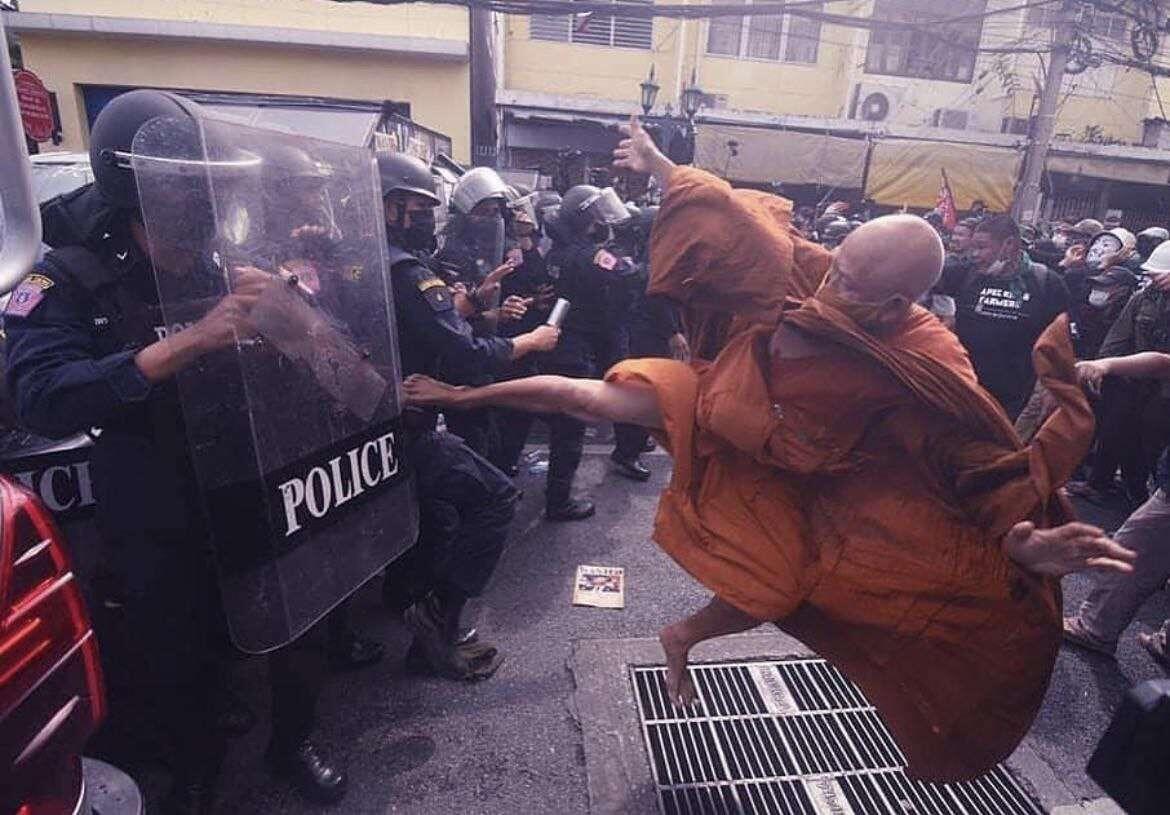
[512, 744]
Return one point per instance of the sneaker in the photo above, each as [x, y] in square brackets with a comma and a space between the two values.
[1076, 634]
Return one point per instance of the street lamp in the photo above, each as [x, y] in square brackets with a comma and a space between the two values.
[649, 92]
[692, 98]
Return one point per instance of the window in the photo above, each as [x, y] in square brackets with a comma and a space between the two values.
[1096, 21]
[594, 29]
[770, 37]
[916, 45]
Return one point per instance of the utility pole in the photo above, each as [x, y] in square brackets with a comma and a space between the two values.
[482, 86]
[1027, 206]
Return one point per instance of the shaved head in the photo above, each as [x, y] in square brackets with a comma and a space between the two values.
[892, 256]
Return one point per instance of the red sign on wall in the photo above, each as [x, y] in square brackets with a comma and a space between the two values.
[36, 107]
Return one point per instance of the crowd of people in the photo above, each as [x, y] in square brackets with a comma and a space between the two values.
[478, 302]
[1002, 284]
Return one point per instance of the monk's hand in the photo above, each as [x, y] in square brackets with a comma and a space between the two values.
[638, 153]
[1073, 547]
[1089, 375]
[422, 390]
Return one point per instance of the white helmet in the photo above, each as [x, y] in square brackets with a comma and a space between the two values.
[1159, 260]
[476, 185]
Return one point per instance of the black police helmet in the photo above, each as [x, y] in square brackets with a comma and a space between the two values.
[574, 217]
[111, 140]
[402, 173]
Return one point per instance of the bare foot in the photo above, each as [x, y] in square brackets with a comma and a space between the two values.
[679, 686]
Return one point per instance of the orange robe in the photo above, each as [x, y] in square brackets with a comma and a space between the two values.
[858, 497]
[706, 228]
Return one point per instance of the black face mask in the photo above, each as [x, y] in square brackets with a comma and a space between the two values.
[419, 236]
[483, 230]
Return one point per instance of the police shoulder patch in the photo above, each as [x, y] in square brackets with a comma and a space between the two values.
[437, 297]
[428, 283]
[605, 260]
[40, 281]
[28, 295]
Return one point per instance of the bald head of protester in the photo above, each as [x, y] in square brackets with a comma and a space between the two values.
[882, 268]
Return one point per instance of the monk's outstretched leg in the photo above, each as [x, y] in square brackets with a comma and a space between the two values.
[716, 619]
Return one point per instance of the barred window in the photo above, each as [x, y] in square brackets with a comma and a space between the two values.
[595, 29]
[769, 37]
[931, 49]
[1099, 22]
[804, 39]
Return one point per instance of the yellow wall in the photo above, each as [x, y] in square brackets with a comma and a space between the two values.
[589, 71]
[1114, 99]
[437, 90]
[409, 20]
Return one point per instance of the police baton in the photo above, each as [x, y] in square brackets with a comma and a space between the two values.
[558, 314]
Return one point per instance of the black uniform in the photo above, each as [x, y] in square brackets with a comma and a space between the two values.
[461, 260]
[70, 367]
[594, 337]
[514, 425]
[465, 503]
[653, 321]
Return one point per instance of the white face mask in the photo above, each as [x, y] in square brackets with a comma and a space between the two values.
[996, 268]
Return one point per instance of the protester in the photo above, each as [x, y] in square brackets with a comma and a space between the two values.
[1150, 239]
[1115, 600]
[1003, 303]
[1110, 279]
[1133, 416]
[931, 586]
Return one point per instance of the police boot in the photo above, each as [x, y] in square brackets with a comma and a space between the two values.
[310, 772]
[439, 647]
[560, 506]
[630, 468]
[571, 509]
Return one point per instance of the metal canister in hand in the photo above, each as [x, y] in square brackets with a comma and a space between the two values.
[559, 311]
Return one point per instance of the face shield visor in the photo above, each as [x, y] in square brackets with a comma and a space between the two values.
[608, 209]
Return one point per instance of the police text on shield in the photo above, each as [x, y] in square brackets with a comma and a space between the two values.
[325, 488]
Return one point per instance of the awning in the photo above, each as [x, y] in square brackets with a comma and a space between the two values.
[1111, 168]
[765, 155]
[908, 172]
[541, 132]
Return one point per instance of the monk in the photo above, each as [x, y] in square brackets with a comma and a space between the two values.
[839, 471]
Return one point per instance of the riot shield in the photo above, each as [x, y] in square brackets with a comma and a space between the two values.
[293, 428]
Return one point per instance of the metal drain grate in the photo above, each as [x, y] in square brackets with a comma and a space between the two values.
[792, 736]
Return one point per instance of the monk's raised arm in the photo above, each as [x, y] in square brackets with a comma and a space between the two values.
[590, 400]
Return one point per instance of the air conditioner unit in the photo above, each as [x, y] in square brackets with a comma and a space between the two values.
[875, 103]
[951, 118]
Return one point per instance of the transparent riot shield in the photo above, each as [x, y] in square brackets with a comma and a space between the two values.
[293, 419]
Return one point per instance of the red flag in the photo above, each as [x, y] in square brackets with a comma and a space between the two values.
[581, 21]
[946, 204]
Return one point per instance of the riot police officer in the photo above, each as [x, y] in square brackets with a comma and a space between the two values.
[466, 504]
[655, 330]
[472, 255]
[597, 283]
[87, 347]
